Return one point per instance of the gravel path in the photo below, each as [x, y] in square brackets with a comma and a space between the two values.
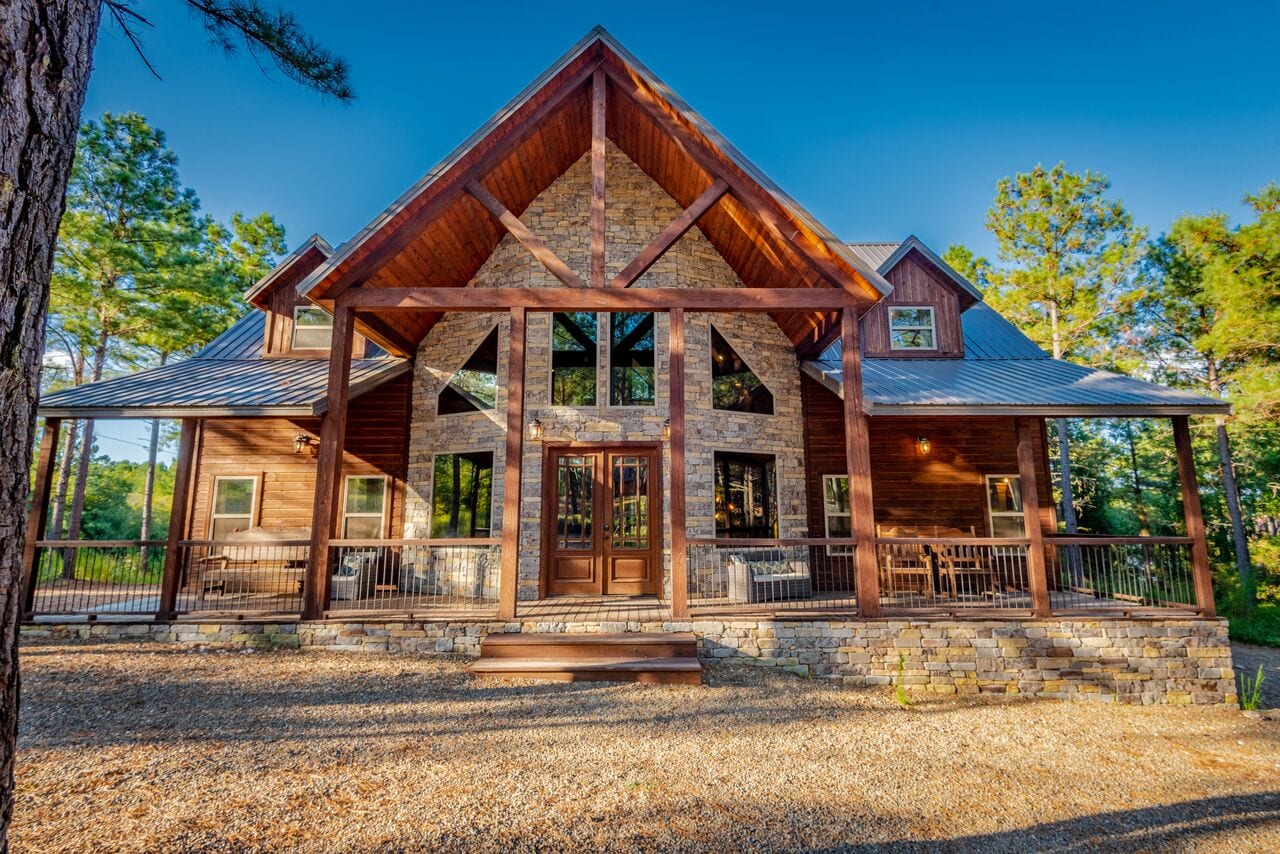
[157, 748]
[1248, 658]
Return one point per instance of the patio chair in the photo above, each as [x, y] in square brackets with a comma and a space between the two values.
[965, 569]
[906, 568]
[767, 575]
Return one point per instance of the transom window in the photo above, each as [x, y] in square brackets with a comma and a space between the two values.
[232, 509]
[312, 328]
[1004, 505]
[631, 358]
[911, 327]
[573, 358]
[474, 388]
[734, 386]
[364, 506]
[835, 508]
[462, 494]
[746, 495]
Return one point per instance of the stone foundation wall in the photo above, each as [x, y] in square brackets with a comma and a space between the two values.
[1130, 661]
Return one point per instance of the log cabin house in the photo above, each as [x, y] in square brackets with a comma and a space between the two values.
[596, 368]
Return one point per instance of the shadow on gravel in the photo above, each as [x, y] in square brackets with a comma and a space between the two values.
[1175, 825]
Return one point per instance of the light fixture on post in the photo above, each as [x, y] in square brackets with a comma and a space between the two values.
[535, 429]
[666, 430]
[923, 445]
[303, 443]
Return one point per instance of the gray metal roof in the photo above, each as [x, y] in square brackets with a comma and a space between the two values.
[885, 256]
[874, 254]
[1004, 373]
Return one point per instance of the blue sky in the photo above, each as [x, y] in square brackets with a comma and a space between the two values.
[883, 118]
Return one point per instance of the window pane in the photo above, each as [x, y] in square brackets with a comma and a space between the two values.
[366, 494]
[574, 502]
[362, 527]
[911, 339]
[734, 386]
[631, 502]
[746, 496]
[1007, 526]
[474, 387]
[631, 358]
[224, 525]
[234, 497]
[462, 495]
[836, 494]
[573, 358]
[909, 317]
[312, 328]
[839, 526]
[1004, 495]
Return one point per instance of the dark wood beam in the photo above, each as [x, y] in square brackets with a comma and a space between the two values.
[592, 299]
[744, 188]
[673, 232]
[446, 189]
[387, 337]
[679, 547]
[857, 451]
[38, 518]
[1029, 439]
[179, 519]
[598, 83]
[509, 580]
[333, 429]
[1201, 573]
[524, 236]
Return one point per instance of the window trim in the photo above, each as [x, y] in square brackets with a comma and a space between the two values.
[835, 551]
[551, 363]
[213, 501]
[992, 514]
[932, 327]
[431, 509]
[381, 515]
[293, 336]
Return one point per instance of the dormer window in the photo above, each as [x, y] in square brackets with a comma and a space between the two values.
[911, 328]
[312, 328]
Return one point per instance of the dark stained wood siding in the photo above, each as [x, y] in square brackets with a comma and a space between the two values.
[916, 282]
[377, 443]
[279, 326]
[943, 489]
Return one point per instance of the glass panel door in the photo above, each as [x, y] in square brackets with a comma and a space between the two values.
[575, 492]
[630, 501]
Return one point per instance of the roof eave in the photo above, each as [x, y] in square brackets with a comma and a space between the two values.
[1110, 410]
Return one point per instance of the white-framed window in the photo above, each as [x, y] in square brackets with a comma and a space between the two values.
[312, 328]
[911, 327]
[1004, 506]
[364, 507]
[234, 500]
[835, 510]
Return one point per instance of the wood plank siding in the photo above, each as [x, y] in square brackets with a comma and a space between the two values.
[377, 442]
[943, 489]
[916, 282]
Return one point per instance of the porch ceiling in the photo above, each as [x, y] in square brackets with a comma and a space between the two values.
[439, 235]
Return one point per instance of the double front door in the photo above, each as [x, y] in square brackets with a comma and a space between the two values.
[602, 520]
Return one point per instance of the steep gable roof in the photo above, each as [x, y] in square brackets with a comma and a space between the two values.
[293, 267]
[886, 256]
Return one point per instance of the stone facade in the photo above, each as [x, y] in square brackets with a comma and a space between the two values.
[1177, 661]
[638, 210]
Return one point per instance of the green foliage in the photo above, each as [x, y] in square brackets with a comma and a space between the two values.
[113, 499]
[975, 268]
[1251, 691]
[900, 684]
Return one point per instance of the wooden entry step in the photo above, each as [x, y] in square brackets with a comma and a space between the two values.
[666, 658]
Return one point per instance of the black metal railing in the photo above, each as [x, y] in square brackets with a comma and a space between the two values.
[771, 575]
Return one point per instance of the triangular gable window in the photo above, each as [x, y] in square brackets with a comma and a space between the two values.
[734, 386]
[474, 388]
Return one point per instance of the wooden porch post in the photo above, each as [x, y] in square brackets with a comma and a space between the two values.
[679, 546]
[333, 429]
[509, 583]
[1191, 511]
[1037, 577]
[173, 564]
[857, 448]
[38, 518]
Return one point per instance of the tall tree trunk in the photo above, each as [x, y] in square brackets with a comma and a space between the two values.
[149, 484]
[86, 457]
[1140, 506]
[57, 511]
[1244, 564]
[46, 52]
[455, 504]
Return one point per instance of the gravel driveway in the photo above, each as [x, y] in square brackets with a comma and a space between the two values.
[157, 748]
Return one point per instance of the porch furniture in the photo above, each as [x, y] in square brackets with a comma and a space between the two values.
[356, 575]
[253, 561]
[965, 568]
[767, 575]
[907, 568]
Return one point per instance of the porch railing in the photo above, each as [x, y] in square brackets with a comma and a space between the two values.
[100, 577]
[953, 573]
[1119, 573]
[771, 575]
[238, 577]
[415, 575]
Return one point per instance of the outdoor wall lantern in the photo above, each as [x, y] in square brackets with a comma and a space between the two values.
[303, 443]
[666, 430]
[535, 429]
[922, 445]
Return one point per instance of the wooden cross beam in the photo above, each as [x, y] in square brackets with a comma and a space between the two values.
[524, 236]
[673, 232]
[597, 299]
[597, 178]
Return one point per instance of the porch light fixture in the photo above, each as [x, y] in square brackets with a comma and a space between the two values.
[302, 442]
[666, 430]
[535, 429]
[922, 445]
